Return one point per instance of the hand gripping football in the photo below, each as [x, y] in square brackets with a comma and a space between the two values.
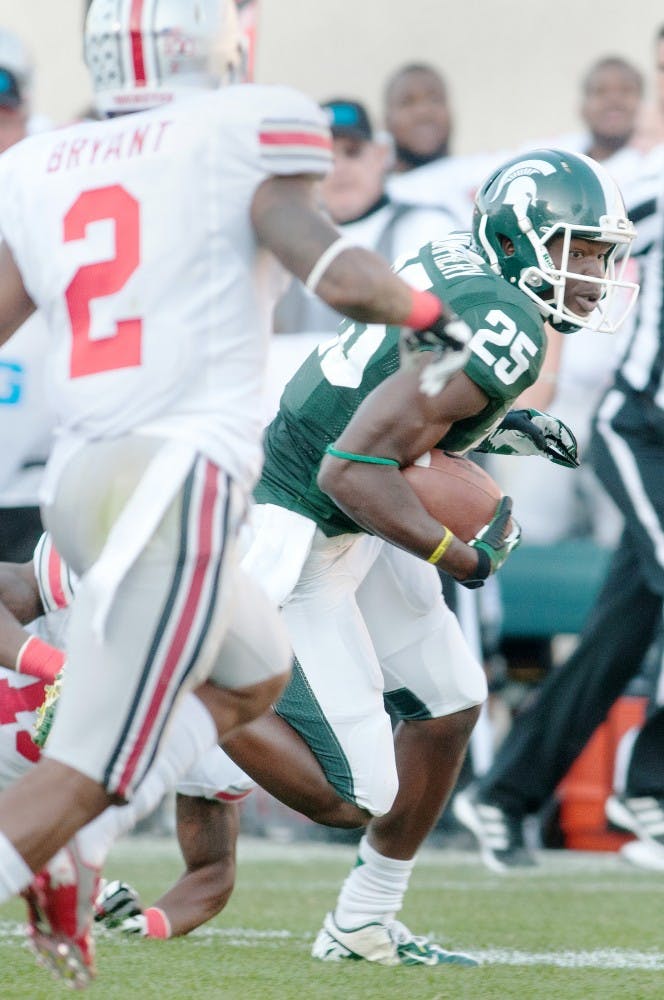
[454, 490]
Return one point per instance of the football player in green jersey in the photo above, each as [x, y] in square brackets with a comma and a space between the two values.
[344, 546]
[367, 620]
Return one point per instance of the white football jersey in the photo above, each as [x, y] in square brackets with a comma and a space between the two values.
[134, 238]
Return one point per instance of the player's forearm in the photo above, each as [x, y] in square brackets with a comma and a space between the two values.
[207, 833]
[381, 501]
[26, 653]
[196, 898]
[20, 603]
[359, 284]
[287, 220]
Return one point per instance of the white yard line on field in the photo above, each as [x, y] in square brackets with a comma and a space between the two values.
[12, 934]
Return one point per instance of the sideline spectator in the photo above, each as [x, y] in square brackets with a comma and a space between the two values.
[611, 96]
[650, 127]
[611, 103]
[417, 116]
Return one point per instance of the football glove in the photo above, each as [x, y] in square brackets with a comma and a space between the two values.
[494, 543]
[447, 341]
[46, 711]
[529, 432]
[116, 904]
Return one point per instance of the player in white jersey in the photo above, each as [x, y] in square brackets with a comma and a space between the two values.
[207, 795]
[153, 244]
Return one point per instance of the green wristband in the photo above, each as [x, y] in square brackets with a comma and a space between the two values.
[352, 457]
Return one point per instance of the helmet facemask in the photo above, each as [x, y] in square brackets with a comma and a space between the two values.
[546, 284]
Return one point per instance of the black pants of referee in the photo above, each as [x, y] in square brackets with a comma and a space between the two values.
[627, 452]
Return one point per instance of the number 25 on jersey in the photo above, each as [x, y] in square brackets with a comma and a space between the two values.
[514, 347]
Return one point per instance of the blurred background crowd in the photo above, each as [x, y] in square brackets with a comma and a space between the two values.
[424, 103]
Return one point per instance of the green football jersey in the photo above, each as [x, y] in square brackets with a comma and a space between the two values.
[507, 351]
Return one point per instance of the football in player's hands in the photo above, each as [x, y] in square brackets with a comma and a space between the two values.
[454, 490]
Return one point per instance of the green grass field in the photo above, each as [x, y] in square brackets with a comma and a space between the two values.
[578, 926]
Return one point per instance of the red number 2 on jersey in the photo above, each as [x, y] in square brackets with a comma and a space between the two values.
[120, 348]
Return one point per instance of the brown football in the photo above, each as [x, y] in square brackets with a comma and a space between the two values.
[456, 491]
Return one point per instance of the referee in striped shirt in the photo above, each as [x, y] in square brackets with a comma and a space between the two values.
[627, 453]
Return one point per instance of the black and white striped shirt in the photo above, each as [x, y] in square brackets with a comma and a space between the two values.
[641, 367]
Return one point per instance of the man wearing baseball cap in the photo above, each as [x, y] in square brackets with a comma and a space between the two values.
[355, 197]
[348, 118]
[355, 187]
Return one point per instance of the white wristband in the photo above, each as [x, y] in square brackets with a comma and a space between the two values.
[324, 261]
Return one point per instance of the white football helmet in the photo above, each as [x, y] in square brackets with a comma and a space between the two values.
[143, 53]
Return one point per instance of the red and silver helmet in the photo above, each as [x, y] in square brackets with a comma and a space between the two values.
[144, 53]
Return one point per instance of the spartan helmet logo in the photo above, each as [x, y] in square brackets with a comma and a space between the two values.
[522, 186]
[522, 192]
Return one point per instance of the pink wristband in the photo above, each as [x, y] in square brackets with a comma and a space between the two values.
[426, 308]
[157, 924]
[38, 659]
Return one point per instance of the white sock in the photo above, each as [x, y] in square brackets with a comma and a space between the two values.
[191, 733]
[14, 873]
[374, 890]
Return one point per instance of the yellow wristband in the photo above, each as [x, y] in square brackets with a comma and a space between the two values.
[442, 547]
